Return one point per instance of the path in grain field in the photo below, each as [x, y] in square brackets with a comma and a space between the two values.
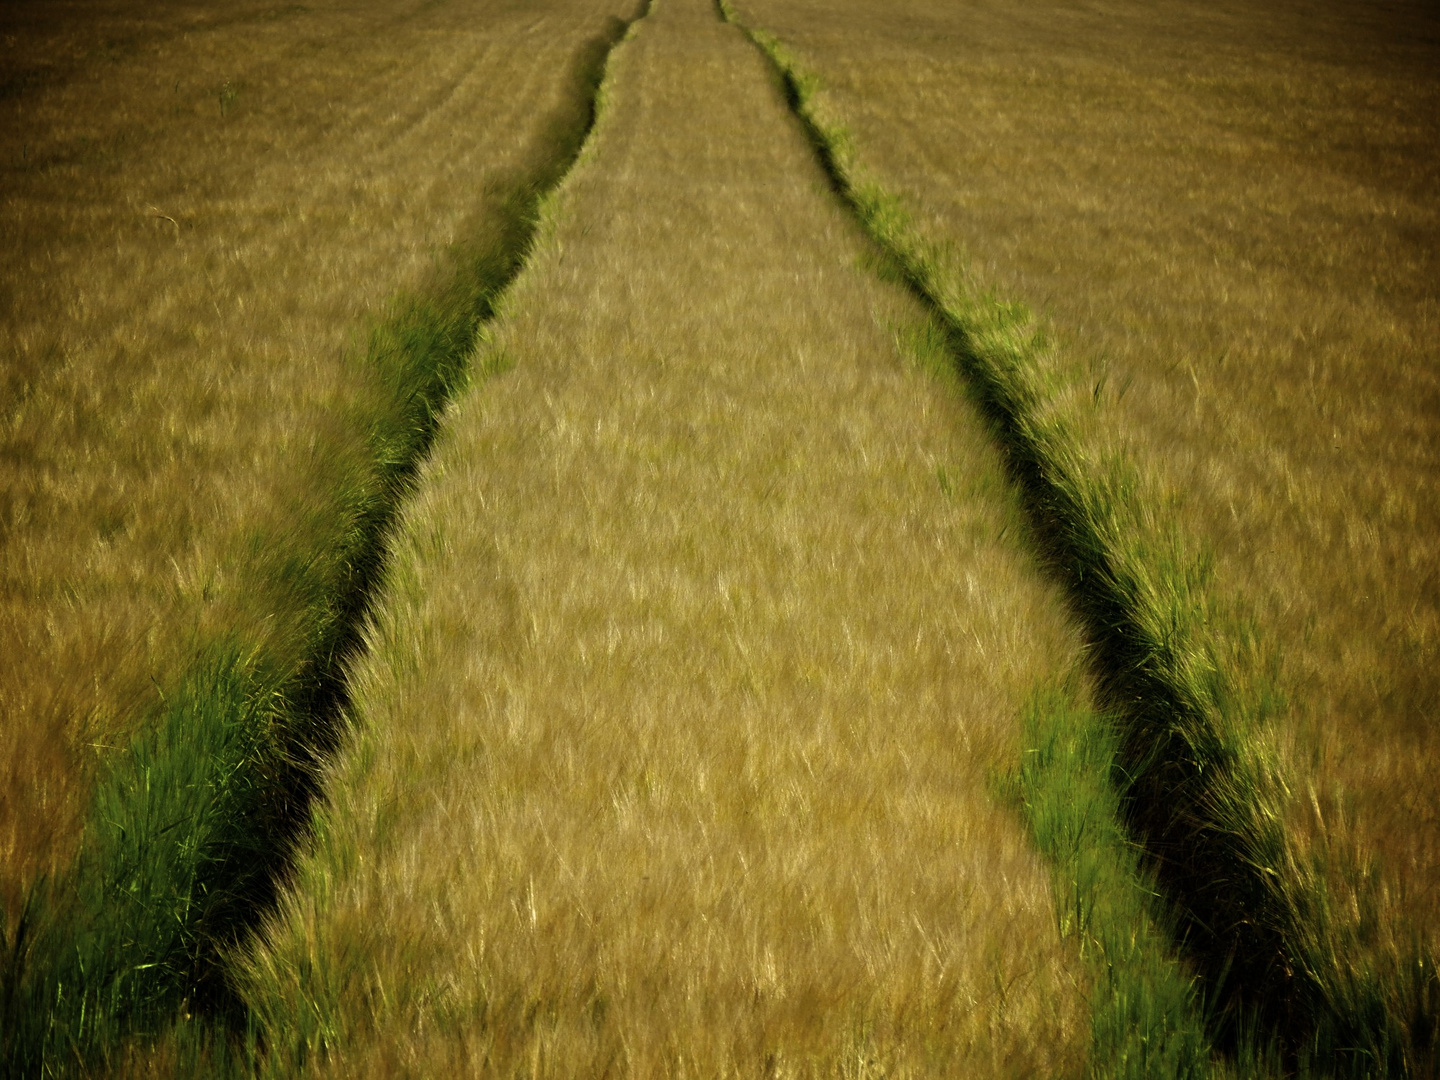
[675, 746]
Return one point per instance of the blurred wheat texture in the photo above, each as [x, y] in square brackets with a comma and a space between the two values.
[676, 745]
[797, 656]
[243, 253]
[1226, 214]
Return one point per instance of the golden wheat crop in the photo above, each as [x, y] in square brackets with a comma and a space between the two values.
[1231, 207]
[676, 745]
[202, 210]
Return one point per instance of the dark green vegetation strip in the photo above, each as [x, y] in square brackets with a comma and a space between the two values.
[1195, 781]
[194, 825]
[1146, 1012]
[1145, 1016]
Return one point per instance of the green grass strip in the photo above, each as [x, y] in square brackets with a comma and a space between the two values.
[1146, 1018]
[194, 824]
[1199, 783]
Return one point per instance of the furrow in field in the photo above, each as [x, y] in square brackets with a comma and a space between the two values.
[678, 744]
[127, 871]
[1293, 931]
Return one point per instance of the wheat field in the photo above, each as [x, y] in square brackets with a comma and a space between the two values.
[182, 289]
[1226, 213]
[1234, 207]
[672, 746]
[743, 538]
[206, 212]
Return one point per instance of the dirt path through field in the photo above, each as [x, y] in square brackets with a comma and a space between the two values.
[708, 637]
